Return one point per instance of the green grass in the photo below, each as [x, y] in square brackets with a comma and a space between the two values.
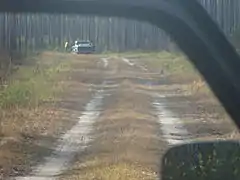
[169, 61]
[172, 63]
[32, 84]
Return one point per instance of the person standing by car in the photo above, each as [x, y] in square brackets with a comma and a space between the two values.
[75, 47]
[66, 46]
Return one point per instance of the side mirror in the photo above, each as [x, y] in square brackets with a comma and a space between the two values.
[219, 160]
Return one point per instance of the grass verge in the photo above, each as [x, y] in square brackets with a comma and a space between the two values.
[176, 67]
[32, 84]
[178, 76]
[96, 169]
[28, 123]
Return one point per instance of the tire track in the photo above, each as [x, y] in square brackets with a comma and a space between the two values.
[105, 61]
[75, 140]
[126, 136]
[128, 62]
[171, 126]
[134, 64]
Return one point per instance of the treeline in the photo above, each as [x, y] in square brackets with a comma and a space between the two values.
[225, 12]
[28, 32]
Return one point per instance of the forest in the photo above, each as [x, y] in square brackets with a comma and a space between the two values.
[24, 33]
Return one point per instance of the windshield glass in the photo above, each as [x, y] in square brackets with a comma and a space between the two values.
[84, 43]
[105, 113]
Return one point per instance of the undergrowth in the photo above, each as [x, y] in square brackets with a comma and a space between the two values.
[32, 84]
[174, 65]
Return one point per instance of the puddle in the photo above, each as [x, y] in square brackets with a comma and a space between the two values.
[131, 63]
[181, 121]
[171, 126]
[74, 141]
[150, 81]
[145, 81]
[105, 61]
[128, 62]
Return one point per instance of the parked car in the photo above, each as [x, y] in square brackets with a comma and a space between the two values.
[83, 47]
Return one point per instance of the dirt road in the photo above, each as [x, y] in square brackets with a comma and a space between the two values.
[128, 119]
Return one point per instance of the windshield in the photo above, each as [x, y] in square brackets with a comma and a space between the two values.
[106, 113]
[84, 43]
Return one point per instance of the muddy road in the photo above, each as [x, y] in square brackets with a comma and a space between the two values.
[127, 113]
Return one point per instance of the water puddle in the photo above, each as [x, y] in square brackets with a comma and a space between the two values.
[74, 141]
[148, 81]
[142, 67]
[172, 127]
[105, 61]
[128, 62]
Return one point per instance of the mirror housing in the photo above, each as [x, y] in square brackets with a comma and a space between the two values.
[214, 160]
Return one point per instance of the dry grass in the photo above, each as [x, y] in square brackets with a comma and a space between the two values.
[95, 169]
[178, 70]
[182, 79]
[26, 135]
[234, 135]
[29, 130]
[125, 145]
[23, 120]
[170, 63]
